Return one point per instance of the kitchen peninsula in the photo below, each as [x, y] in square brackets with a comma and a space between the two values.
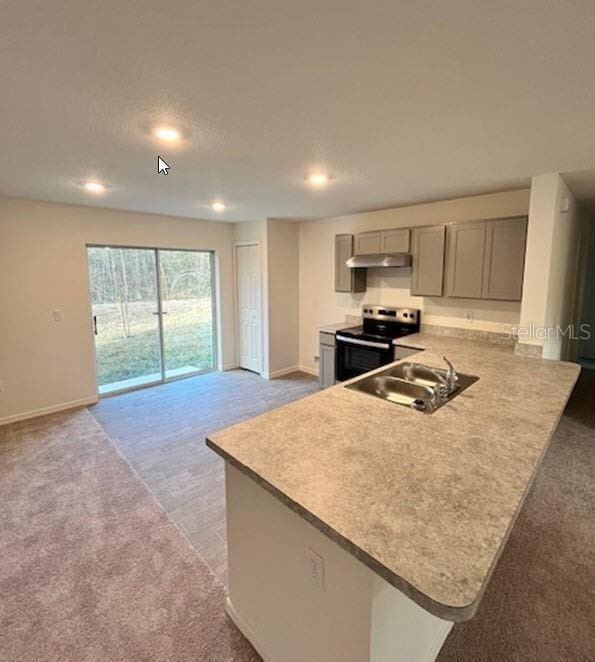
[362, 530]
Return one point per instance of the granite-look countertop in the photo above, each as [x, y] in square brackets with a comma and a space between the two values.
[427, 501]
[340, 326]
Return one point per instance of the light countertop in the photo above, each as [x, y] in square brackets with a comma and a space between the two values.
[333, 328]
[425, 500]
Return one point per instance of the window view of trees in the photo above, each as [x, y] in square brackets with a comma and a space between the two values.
[125, 302]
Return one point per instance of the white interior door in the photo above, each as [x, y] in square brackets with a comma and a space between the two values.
[249, 302]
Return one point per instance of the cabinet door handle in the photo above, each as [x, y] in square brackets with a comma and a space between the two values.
[95, 324]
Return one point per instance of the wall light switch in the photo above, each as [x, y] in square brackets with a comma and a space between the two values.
[58, 315]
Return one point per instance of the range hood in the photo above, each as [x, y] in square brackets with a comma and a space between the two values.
[379, 260]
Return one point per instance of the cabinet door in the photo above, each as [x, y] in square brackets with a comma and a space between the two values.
[504, 259]
[346, 279]
[427, 248]
[343, 251]
[466, 243]
[326, 376]
[367, 243]
[394, 241]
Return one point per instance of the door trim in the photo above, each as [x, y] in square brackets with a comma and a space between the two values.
[236, 245]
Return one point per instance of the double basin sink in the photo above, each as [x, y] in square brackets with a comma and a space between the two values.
[414, 385]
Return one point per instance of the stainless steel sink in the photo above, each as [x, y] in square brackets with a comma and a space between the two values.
[413, 385]
[419, 374]
[394, 389]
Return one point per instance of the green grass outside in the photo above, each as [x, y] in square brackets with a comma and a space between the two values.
[187, 338]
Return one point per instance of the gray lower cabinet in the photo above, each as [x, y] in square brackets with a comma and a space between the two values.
[427, 253]
[346, 279]
[326, 361]
[486, 259]
[504, 261]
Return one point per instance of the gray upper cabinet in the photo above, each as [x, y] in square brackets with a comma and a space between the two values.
[382, 241]
[394, 241]
[504, 259]
[466, 242]
[486, 259]
[427, 248]
[346, 279]
[367, 243]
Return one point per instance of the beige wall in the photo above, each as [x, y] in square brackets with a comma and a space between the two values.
[45, 364]
[319, 304]
[551, 269]
[283, 295]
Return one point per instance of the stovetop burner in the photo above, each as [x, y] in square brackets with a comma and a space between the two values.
[376, 335]
[382, 323]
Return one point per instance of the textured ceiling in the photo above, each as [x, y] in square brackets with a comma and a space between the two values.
[400, 101]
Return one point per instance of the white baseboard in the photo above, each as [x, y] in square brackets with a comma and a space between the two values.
[43, 411]
[246, 629]
[282, 372]
[308, 370]
[230, 366]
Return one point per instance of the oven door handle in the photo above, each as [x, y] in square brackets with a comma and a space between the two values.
[365, 343]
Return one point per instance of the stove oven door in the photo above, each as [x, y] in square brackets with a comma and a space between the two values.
[356, 356]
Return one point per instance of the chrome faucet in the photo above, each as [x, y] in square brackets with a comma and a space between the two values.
[452, 378]
[448, 380]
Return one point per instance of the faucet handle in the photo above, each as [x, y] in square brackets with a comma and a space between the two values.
[451, 376]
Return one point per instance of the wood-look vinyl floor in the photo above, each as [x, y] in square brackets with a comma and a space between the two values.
[161, 432]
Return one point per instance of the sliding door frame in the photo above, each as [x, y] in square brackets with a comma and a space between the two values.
[164, 380]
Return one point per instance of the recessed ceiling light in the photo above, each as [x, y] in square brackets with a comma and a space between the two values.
[218, 206]
[167, 133]
[94, 187]
[318, 179]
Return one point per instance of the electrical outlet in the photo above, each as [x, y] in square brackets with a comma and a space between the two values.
[315, 568]
[1, 385]
[316, 359]
[469, 316]
[58, 315]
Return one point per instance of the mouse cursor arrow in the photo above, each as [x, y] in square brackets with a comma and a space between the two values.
[162, 166]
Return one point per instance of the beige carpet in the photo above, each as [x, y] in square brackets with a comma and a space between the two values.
[91, 568]
[540, 603]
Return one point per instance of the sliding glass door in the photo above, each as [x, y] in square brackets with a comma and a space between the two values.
[152, 315]
[187, 306]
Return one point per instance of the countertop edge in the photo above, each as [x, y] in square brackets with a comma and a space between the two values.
[445, 612]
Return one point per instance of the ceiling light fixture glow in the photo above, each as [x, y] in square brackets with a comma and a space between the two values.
[318, 179]
[218, 206]
[94, 187]
[167, 133]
